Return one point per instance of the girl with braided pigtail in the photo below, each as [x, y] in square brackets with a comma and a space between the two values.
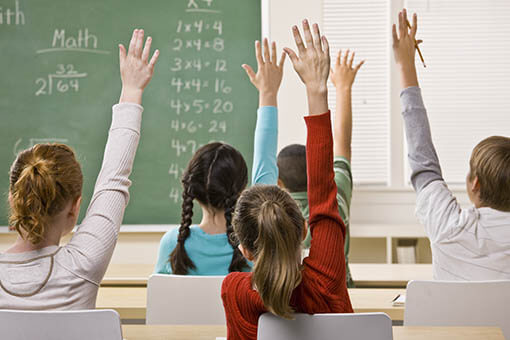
[214, 178]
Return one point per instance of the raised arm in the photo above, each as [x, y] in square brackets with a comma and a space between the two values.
[326, 252]
[343, 76]
[92, 245]
[422, 155]
[267, 80]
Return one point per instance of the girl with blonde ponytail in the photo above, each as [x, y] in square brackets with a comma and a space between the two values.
[270, 228]
[44, 203]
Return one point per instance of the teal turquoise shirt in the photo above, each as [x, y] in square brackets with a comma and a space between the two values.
[265, 171]
[211, 254]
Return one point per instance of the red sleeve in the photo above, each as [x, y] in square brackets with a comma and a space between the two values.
[326, 259]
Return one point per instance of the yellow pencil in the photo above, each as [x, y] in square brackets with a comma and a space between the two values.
[417, 47]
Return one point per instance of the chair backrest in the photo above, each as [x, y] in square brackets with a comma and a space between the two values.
[61, 325]
[184, 300]
[360, 326]
[458, 303]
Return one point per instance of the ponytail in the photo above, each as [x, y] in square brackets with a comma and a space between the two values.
[269, 224]
[43, 180]
[179, 259]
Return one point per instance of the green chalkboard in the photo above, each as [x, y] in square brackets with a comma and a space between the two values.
[59, 78]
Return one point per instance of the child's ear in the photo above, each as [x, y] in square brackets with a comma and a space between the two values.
[280, 184]
[475, 185]
[75, 207]
[305, 230]
[246, 253]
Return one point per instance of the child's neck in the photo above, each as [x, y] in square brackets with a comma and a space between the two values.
[213, 221]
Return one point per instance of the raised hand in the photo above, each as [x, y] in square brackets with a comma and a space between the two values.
[135, 68]
[269, 73]
[343, 74]
[312, 65]
[404, 48]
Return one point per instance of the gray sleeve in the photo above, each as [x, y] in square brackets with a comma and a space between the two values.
[92, 245]
[422, 155]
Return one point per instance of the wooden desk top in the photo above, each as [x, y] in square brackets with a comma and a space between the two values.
[150, 332]
[388, 275]
[131, 302]
[364, 275]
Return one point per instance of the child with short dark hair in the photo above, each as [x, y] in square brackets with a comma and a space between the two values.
[270, 228]
[467, 244]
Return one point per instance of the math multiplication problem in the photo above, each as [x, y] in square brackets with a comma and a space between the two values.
[201, 98]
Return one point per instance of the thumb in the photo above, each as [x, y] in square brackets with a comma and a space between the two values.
[418, 42]
[122, 53]
[249, 71]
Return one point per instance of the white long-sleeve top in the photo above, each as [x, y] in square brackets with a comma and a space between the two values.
[68, 277]
[470, 244]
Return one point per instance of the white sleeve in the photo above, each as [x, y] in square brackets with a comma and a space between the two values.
[438, 210]
[92, 245]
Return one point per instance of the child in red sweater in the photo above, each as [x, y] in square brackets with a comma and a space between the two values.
[270, 227]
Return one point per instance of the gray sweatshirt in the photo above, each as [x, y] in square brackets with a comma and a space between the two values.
[68, 277]
[467, 244]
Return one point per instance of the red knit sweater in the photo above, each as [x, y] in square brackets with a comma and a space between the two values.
[323, 287]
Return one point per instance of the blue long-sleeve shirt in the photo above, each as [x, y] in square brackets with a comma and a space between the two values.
[265, 170]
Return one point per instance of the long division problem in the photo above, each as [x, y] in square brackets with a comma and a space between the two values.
[201, 97]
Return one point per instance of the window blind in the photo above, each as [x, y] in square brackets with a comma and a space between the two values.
[364, 26]
[466, 84]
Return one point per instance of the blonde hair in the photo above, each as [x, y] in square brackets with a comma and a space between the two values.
[268, 223]
[490, 162]
[43, 179]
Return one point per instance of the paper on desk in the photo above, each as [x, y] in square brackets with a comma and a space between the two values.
[399, 300]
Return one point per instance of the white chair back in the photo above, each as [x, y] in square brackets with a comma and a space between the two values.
[184, 300]
[458, 303]
[61, 325]
[360, 326]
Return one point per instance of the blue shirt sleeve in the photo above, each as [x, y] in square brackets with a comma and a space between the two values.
[265, 170]
[166, 246]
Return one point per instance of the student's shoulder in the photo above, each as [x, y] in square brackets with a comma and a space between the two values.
[236, 282]
[342, 165]
[170, 237]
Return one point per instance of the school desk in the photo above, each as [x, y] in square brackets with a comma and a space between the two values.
[364, 274]
[151, 332]
[131, 302]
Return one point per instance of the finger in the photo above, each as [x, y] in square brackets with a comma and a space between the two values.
[338, 58]
[356, 69]
[346, 57]
[154, 59]
[258, 54]
[249, 71]
[308, 34]
[317, 37]
[419, 41]
[122, 53]
[282, 60]
[292, 55]
[414, 27]
[325, 45]
[298, 40]
[139, 44]
[147, 50]
[267, 58]
[273, 53]
[352, 59]
[405, 21]
[132, 43]
[402, 29]
[394, 33]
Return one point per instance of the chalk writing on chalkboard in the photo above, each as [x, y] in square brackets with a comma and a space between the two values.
[9, 16]
[65, 79]
[83, 41]
[19, 146]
